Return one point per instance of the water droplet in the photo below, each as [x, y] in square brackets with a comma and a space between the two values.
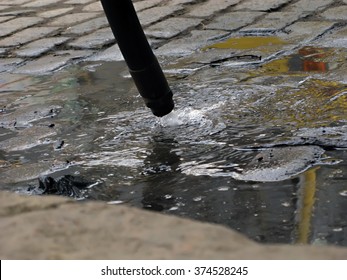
[174, 208]
[343, 193]
[167, 196]
[198, 198]
[338, 229]
[285, 204]
[223, 189]
[115, 202]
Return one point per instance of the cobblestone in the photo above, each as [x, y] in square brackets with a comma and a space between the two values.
[39, 3]
[27, 35]
[142, 5]
[40, 46]
[9, 64]
[94, 40]
[14, 2]
[181, 2]
[336, 13]
[110, 54]
[210, 7]
[155, 14]
[69, 19]
[88, 26]
[93, 7]
[305, 31]
[336, 39]
[50, 62]
[309, 5]
[233, 20]
[171, 27]
[43, 65]
[181, 27]
[16, 24]
[256, 5]
[19, 12]
[5, 18]
[187, 45]
[79, 2]
[274, 21]
[55, 12]
[4, 7]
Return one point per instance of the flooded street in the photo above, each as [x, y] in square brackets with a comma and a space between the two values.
[260, 148]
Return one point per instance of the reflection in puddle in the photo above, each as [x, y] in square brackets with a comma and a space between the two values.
[316, 103]
[307, 59]
[306, 202]
[248, 42]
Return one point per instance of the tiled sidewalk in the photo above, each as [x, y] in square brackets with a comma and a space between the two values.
[41, 36]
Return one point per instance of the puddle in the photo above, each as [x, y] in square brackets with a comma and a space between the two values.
[247, 42]
[211, 159]
[307, 59]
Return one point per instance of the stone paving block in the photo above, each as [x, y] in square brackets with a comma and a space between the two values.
[345, 1]
[336, 13]
[273, 22]
[78, 2]
[304, 31]
[12, 83]
[43, 65]
[257, 5]
[172, 27]
[40, 3]
[16, 24]
[74, 54]
[210, 7]
[72, 19]
[142, 5]
[55, 12]
[334, 39]
[40, 46]
[17, 12]
[5, 18]
[4, 7]
[88, 26]
[8, 64]
[2, 51]
[309, 5]
[14, 2]
[155, 14]
[93, 7]
[189, 44]
[181, 2]
[27, 35]
[96, 39]
[112, 53]
[49, 63]
[234, 20]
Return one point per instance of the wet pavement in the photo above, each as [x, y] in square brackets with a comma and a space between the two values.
[258, 138]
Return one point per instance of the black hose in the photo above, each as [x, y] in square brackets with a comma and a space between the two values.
[142, 63]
